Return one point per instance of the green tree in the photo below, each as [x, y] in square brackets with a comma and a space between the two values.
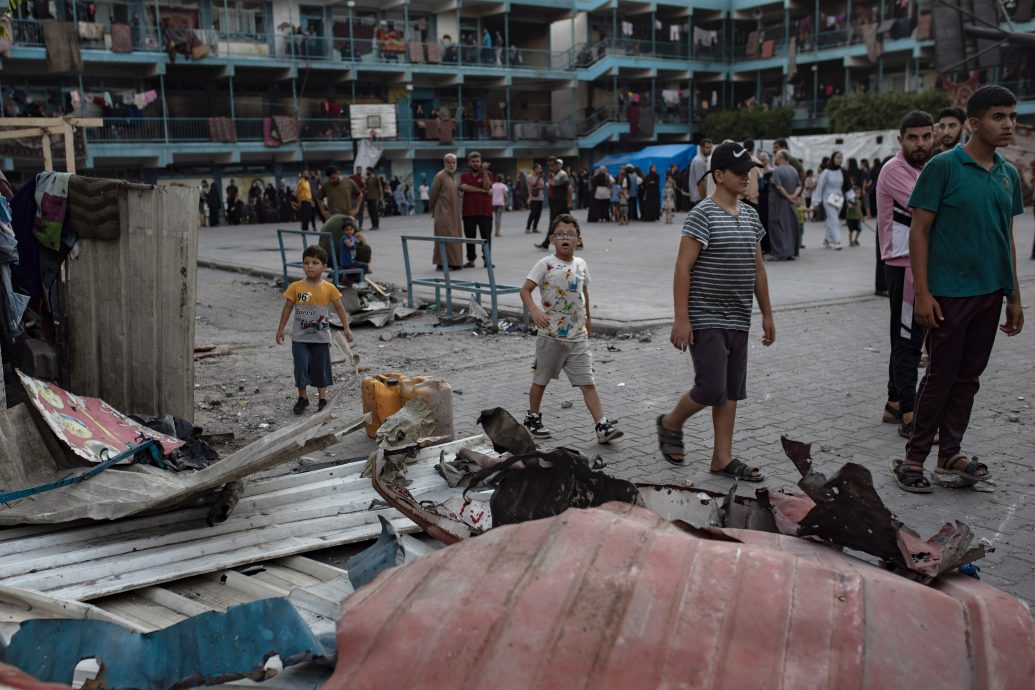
[739, 125]
[862, 112]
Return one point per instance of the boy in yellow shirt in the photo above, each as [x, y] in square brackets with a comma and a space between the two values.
[312, 300]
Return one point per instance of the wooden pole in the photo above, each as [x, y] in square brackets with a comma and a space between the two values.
[48, 161]
[69, 148]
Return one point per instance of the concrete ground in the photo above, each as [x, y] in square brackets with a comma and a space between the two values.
[823, 381]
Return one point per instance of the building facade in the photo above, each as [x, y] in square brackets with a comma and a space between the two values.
[203, 88]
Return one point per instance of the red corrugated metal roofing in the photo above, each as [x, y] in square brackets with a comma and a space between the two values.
[618, 598]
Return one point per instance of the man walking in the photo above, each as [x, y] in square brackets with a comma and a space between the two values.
[360, 183]
[964, 262]
[950, 129]
[374, 194]
[558, 194]
[304, 194]
[698, 167]
[476, 184]
[444, 200]
[894, 186]
[339, 194]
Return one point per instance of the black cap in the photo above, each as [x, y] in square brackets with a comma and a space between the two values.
[732, 156]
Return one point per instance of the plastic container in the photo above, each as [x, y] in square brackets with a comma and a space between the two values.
[439, 396]
[382, 397]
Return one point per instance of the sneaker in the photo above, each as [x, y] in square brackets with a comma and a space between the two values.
[836, 245]
[300, 405]
[607, 432]
[534, 424]
[826, 244]
[322, 404]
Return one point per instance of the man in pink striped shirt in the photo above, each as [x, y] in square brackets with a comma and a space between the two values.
[894, 185]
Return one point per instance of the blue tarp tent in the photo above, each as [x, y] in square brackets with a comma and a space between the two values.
[662, 156]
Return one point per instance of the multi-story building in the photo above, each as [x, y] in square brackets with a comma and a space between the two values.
[514, 79]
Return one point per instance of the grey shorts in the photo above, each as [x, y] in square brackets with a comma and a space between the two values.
[720, 366]
[570, 356]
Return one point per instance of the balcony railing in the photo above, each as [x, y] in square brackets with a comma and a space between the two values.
[158, 130]
[29, 32]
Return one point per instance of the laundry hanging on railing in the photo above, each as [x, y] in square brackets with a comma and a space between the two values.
[222, 130]
[121, 38]
[62, 44]
[91, 31]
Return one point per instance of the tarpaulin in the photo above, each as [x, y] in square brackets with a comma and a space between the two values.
[90, 427]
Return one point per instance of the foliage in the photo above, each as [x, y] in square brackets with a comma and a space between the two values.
[862, 112]
[753, 123]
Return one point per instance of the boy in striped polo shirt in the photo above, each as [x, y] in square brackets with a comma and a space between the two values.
[718, 267]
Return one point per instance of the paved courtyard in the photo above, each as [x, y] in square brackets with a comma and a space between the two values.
[823, 381]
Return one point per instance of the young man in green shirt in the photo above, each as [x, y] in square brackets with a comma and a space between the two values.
[963, 257]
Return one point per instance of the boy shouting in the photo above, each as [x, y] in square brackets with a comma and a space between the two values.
[718, 267]
[564, 324]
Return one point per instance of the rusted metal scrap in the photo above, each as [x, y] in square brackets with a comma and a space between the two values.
[847, 511]
[617, 597]
[209, 648]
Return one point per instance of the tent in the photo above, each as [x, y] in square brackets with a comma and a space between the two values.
[662, 156]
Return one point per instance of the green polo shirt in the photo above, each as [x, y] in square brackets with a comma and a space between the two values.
[969, 253]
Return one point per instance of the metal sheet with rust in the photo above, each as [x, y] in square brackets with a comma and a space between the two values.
[617, 598]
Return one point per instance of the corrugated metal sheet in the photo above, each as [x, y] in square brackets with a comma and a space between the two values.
[276, 517]
[618, 598]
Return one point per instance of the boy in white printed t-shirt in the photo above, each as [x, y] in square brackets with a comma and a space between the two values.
[312, 300]
[564, 324]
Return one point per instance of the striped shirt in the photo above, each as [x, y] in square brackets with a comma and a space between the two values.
[722, 280]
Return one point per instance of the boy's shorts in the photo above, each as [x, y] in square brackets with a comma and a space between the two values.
[720, 366]
[312, 364]
[553, 355]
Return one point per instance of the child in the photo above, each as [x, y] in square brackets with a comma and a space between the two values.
[718, 266]
[853, 215]
[615, 211]
[499, 202]
[564, 323]
[668, 200]
[354, 248]
[312, 299]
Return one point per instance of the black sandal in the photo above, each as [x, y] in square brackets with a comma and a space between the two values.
[671, 443]
[896, 415]
[740, 470]
[910, 477]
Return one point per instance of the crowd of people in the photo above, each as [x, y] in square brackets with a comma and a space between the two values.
[944, 212]
[373, 193]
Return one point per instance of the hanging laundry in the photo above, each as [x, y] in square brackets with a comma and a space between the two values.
[768, 48]
[91, 31]
[51, 204]
[751, 49]
[705, 37]
[670, 96]
[121, 38]
[62, 46]
[139, 100]
[627, 29]
[792, 59]
[674, 34]
[107, 100]
[150, 96]
[73, 95]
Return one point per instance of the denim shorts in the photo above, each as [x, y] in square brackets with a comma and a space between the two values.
[312, 364]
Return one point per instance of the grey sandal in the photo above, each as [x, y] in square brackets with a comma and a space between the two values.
[671, 443]
[965, 475]
[910, 477]
[740, 470]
